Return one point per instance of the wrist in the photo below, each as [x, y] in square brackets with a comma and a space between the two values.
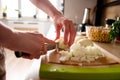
[13, 41]
[57, 15]
[58, 18]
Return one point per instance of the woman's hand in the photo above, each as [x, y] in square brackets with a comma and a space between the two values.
[31, 43]
[68, 27]
[60, 21]
[35, 43]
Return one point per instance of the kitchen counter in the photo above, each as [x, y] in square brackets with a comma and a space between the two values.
[112, 48]
[23, 69]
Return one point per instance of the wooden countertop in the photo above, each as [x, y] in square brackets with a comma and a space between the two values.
[112, 48]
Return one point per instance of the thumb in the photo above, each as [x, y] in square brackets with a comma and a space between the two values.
[46, 40]
[57, 34]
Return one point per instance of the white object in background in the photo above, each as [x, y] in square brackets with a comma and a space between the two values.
[87, 30]
[31, 26]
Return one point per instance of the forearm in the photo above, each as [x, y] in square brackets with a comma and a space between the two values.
[12, 40]
[47, 7]
[7, 36]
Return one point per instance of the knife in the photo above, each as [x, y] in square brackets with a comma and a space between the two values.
[50, 46]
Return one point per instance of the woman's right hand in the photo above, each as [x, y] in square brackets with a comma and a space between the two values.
[31, 43]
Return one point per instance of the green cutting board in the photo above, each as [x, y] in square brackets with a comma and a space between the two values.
[58, 71]
[65, 72]
[51, 68]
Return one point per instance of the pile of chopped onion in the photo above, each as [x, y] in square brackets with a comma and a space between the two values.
[82, 50]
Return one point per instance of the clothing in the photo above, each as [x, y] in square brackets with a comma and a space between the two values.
[2, 64]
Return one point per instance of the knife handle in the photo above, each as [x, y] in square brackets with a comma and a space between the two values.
[49, 47]
[20, 54]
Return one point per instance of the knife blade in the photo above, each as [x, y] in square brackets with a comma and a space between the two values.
[50, 46]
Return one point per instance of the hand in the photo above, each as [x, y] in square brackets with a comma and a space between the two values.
[69, 29]
[31, 43]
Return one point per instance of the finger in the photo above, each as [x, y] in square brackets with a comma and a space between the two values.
[57, 34]
[58, 31]
[27, 57]
[44, 50]
[37, 57]
[72, 35]
[46, 40]
[66, 33]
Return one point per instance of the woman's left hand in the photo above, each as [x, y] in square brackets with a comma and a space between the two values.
[68, 27]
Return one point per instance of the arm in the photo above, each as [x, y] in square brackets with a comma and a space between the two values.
[59, 20]
[47, 7]
[6, 35]
[31, 43]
